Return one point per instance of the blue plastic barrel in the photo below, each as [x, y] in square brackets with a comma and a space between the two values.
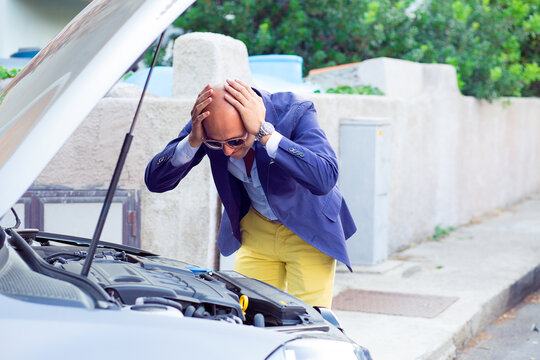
[25, 53]
[283, 67]
[160, 83]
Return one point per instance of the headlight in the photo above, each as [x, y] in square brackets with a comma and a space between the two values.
[319, 349]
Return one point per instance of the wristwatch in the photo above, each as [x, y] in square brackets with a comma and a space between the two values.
[266, 129]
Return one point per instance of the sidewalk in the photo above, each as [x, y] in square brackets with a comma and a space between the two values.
[488, 267]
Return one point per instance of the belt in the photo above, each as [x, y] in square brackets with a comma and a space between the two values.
[265, 218]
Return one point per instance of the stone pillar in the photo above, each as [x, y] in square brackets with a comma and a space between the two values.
[207, 58]
[201, 59]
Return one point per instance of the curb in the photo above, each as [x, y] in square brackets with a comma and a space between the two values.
[488, 313]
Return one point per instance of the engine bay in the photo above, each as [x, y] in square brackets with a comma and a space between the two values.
[137, 280]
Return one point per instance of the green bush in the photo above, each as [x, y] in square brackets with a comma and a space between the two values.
[356, 90]
[7, 74]
[324, 33]
[493, 44]
[489, 43]
[441, 232]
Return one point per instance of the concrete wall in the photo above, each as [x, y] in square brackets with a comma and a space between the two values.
[453, 158]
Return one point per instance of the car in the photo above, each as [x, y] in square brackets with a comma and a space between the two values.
[62, 295]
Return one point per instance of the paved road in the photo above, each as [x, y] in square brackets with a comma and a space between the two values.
[513, 336]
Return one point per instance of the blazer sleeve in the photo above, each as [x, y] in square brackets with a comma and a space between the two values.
[307, 155]
[160, 174]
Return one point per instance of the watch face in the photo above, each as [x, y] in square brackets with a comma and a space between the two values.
[268, 128]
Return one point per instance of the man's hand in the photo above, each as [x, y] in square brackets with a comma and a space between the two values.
[247, 103]
[196, 136]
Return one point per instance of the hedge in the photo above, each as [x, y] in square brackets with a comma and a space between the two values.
[493, 44]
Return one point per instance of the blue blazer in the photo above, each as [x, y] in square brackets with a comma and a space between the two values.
[300, 183]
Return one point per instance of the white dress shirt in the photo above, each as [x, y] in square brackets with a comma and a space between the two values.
[184, 153]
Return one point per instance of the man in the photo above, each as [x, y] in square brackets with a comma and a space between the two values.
[276, 175]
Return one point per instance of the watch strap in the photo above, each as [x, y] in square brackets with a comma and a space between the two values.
[266, 129]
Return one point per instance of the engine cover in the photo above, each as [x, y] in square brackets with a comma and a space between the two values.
[195, 291]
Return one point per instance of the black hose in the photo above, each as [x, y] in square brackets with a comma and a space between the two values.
[2, 237]
[189, 311]
[36, 263]
[258, 320]
[200, 312]
[58, 258]
[77, 254]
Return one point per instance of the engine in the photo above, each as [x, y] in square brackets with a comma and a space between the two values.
[148, 283]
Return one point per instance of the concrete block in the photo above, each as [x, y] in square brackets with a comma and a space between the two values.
[346, 75]
[441, 78]
[207, 58]
[396, 78]
[126, 90]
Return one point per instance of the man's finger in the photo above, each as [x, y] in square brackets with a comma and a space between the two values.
[204, 95]
[234, 102]
[202, 116]
[247, 87]
[238, 86]
[203, 104]
[197, 121]
[206, 88]
[237, 94]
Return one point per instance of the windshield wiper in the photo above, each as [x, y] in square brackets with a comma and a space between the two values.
[117, 172]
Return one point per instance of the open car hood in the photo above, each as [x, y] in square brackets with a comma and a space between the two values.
[46, 102]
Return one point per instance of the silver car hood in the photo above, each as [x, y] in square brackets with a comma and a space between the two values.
[46, 102]
[82, 334]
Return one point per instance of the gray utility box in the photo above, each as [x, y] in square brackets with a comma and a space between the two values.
[364, 180]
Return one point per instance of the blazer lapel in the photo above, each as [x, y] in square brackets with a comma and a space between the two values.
[229, 188]
[219, 164]
[263, 165]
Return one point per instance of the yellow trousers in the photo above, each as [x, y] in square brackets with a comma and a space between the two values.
[272, 253]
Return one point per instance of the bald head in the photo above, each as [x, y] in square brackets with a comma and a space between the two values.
[224, 121]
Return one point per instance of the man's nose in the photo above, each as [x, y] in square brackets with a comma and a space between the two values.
[227, 150]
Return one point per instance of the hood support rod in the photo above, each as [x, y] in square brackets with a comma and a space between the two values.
[117, 172]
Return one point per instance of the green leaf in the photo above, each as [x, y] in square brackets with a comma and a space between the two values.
[357, 90]
[8, 73]
[481, 39]
[495, 73]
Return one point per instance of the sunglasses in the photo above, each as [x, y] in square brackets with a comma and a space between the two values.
[232, 143]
